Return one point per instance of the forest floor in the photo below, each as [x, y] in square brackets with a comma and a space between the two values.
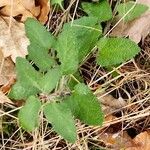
[125, 100]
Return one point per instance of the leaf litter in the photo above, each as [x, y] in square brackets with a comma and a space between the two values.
[137, 29]
[13, 41]
[14, 49]
[7, 71]
[25, 9]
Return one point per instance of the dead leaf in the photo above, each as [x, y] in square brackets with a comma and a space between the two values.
[15, 8]
[13, 41]
[110, 118]
[30, 6]
[45, 9]
[6, 87]
[137, 29]
[142, 140]
[7, 70]
[4, 2]
[26, 8]
[116, 141]
[4, 98]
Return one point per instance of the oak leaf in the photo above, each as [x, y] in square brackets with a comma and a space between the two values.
[13, 41]
[26, 8]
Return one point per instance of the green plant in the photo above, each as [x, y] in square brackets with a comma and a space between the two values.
[57, 60]
[131, 10]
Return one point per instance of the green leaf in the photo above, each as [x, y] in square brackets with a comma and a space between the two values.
[75, 42]
[85, 106]
[40, 57]
[82, 89]
[19, 92]
[28, 115]
[72, 82]
[111, 68]
[136, 10]
[67, 53]
[50, 79]
[26, 74]
[59, 2]
[101, 10]
[38, 34]
[59, 115]
[113, 51]
[87, 32]
[27, 80]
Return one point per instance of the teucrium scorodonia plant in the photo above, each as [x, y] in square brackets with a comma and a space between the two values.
[55, 60]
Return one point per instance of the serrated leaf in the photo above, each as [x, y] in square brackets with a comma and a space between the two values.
[50, 79]
[82, 89]
[85, 106]
[101, 10]
[59, 115]
[136, 10]
[75, 42]
[67, 53]
[113, 51]
[38, 34]
[87, 32]
[19, 92]
[28, 115]
[26, 74]
[40, 57]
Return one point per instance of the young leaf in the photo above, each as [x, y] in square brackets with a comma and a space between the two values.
[67, 52]
[19, 91]
[100, 10]
[37, 34]
[40, 57]
[113, 51]
[136, 10]
[85, 106]
[87, 32]
[50, 79]
[26, 74]
[59, 115]
[28, 115]
[75, 42]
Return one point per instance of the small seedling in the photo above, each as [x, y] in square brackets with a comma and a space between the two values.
[57, 60]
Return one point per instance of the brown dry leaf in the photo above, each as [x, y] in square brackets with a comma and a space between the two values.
[7, 70]
[116, 141]
[142, 141]
[4, 98]
[109, 103]
[4, 2]
[137, 29]
[13, 41]
[109, 118]
[29, 5]
[45, 9]
[26, 8]
[19, 7]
